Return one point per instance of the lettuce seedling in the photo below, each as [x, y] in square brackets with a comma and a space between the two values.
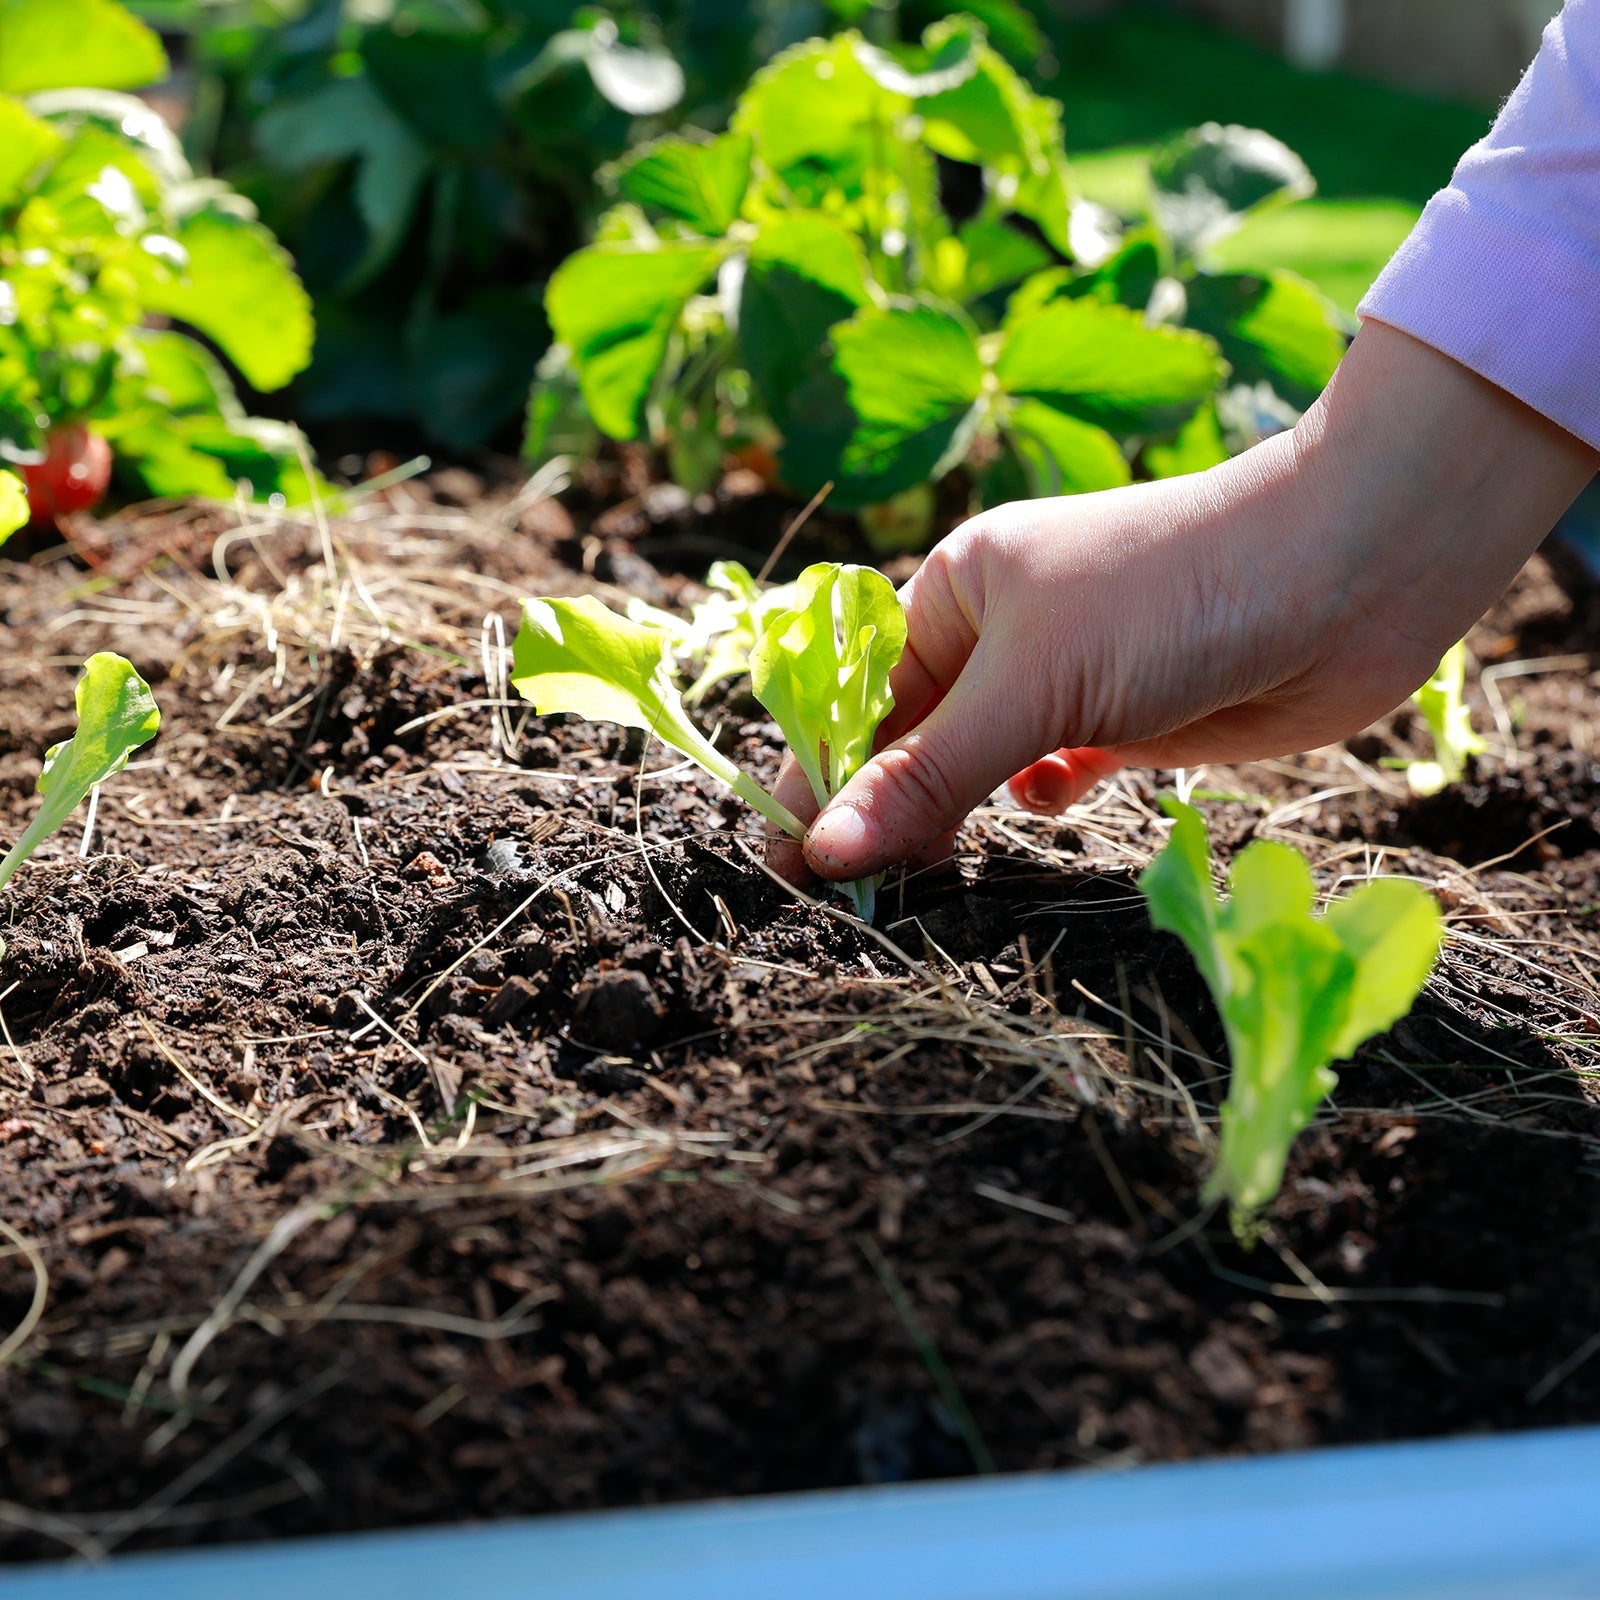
[116, 714]
[578, 656]
[1296, 991]
[1443, 708]
[720, 632]
[820, 667]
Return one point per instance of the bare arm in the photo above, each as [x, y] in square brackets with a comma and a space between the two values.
[1277, 602]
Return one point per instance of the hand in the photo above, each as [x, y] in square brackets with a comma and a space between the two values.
[1281, 601]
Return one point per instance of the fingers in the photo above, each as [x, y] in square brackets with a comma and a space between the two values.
[784, 853]
[921, 786]
[1062, 779]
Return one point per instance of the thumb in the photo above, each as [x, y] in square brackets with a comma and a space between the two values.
[923, 784]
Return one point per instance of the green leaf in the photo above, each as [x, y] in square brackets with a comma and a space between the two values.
[1443, 706]
[116, 714]
[987, 118]
[438, 82]
[725, 628]
[241, 290]
[25, 142]
[349, 120]
[614, 306]
[815, 107]
[57, 44]
[1206, 180]
[1103, 365]
[1197, 445]
[180, 376]
[578, 657]
[1296, 991]
[699, 182]
[558, 423]
[948, 59]
[804, 274]
[821, 668]
[14, 509]
[914, 380]
[1391, 930]
[996, 255]
[1063, 455]
[126, 118]
[1275, 329]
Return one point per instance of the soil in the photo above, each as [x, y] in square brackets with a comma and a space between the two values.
[414, 1112]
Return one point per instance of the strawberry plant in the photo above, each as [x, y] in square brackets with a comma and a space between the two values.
[116, 714]
[820, 666]
[800, 275]
[1297, 991]
[801, 279]
[106, 237]
[1281, 337]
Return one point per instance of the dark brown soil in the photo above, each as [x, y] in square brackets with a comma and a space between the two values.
[405, 1129]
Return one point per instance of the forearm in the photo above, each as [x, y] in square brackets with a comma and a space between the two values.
[1427, 486]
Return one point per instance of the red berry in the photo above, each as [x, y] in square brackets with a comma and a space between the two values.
[72, 477]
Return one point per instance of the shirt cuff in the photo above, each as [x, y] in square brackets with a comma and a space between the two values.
[1516, 304]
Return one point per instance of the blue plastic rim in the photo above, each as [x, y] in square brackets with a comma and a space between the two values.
[1473, 1519]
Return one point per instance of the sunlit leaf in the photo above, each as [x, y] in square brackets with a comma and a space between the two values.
[914, 381]
[614, 306]
[1102, 364]
[56, 44]
[116, 714]
[14, 511]
[1272, 328]
[700, 182]
[1206, 180]
[1062, 454]
[1296, 991]
[25, 142]
[241, 290]
[576, 656]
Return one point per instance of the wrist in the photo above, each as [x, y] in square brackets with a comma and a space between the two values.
[1427, 487]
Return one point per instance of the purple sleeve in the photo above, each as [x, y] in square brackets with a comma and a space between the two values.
[1502, 272]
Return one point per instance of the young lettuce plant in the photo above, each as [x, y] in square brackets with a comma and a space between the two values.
[720, 632]
[820, 667]
[1296, 991]
[1440, 700]
[116, 714]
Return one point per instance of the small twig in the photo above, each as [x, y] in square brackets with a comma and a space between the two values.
[794, 528]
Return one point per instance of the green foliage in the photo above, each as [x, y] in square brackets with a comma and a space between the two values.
[116, 714]
[1297, 991]
[13, 505]
[429, 163]
[1280, 336]
[819, 653]
[577, 656]
[1449, 722]
[822, 666]
[807, 259]
[104, 225]
[723, 630]
[55, 44]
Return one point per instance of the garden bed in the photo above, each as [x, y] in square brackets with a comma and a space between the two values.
[415, 1115]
